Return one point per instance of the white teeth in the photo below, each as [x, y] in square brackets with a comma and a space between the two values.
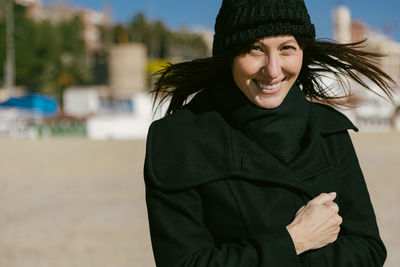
[269, 87]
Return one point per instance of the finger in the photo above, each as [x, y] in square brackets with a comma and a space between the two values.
[322, 198]
[332, 205]
[300, 210]
[339, 220]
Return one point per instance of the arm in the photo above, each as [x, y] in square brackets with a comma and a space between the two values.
[180, 237]
[358, 243]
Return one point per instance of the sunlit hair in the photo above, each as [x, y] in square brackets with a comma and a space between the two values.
[325, 58]
[320, 59]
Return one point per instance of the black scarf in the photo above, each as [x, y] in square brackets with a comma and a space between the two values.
[279, 131]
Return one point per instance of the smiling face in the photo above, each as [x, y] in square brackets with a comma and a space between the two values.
[266, 73]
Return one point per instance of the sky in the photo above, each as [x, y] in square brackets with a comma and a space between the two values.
[201, 13]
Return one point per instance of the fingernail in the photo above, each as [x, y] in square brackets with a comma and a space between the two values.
[332, 193]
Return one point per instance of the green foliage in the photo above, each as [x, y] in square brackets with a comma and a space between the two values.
[48, 56]
[186, 45]
[120, 34]
[164, 43]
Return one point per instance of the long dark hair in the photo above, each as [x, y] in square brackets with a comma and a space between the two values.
[320, 58]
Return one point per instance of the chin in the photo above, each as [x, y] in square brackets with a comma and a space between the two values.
[268, 102]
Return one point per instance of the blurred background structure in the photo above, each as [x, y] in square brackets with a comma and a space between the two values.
[84, 75]
[373, 113]
[98, 72]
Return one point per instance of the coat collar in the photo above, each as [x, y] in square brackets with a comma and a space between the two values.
[329, 120]
[190, 148]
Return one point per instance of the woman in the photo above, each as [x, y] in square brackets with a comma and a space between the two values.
[251, 172]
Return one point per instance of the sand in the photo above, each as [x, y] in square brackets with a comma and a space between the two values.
[74, 202]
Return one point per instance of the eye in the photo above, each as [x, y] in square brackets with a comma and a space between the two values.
[256, 50]
[288, 47]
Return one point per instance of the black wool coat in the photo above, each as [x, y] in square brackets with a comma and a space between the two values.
[214, 198]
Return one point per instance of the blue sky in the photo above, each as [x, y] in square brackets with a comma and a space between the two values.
[194, 13]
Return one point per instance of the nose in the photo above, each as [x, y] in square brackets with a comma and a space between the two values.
[272, 67]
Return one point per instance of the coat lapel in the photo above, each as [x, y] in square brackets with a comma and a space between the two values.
[251, 162]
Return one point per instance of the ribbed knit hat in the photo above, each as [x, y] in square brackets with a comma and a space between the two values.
[243, 21]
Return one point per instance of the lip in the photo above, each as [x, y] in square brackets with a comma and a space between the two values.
[268, 91]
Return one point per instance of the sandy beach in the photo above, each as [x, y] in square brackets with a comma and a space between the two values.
[75, 202]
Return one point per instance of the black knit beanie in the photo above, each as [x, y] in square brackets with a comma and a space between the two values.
[243, 21]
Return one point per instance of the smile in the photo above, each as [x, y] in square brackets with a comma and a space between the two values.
[266, 86]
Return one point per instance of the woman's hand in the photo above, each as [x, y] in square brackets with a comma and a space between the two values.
[316, 224]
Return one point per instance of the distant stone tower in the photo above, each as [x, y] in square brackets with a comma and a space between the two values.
[128, 63]
[342, 22]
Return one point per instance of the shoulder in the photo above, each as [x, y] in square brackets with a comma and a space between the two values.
[330, 120]
[190, 118]
[187, 127]
[336, 142]
[180, 145]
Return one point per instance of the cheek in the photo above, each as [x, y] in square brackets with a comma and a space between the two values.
[244, 69]
[239, 72]
[294, 66]
[299, 63]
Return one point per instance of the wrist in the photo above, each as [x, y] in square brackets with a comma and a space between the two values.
[299, 246]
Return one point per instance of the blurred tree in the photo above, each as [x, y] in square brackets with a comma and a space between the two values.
[164, 43]
[140, 30]
[121, 34]
[48, 57]
[72, 64]
[153, 35]
[2, 47]
[185, 45]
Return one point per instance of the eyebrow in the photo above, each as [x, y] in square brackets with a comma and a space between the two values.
[283, 43]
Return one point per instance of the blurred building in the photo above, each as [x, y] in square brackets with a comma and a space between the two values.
[127, 66]
[348, 30]
[342, 25]
[374, 113]
[110, 118]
